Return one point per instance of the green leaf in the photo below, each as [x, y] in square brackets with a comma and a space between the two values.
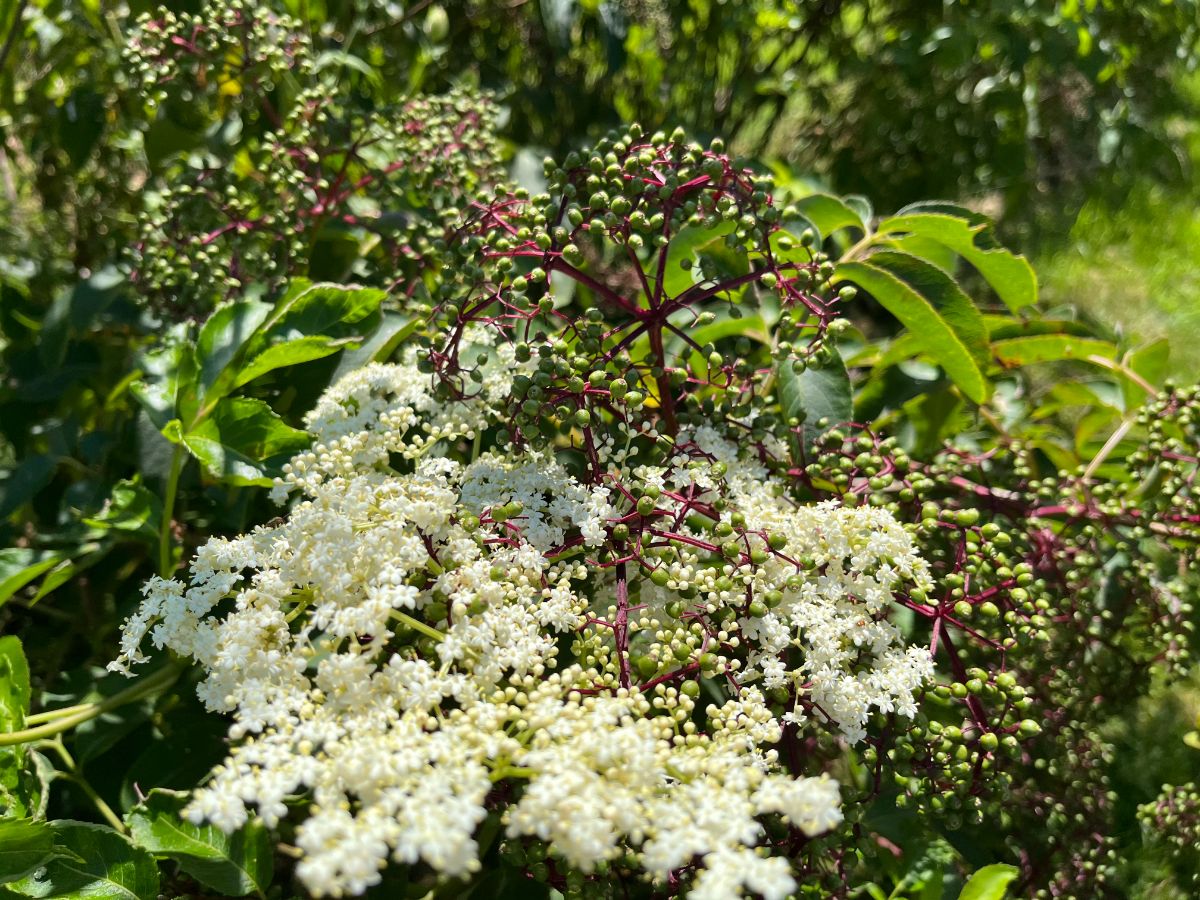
[1024, 351]
[328, 310]
[815, 394]
[989, 883]
[25, 480]
[393, 330]
[1151, 362]
[685, 246]
[930, 305]
[829, 214]
[130, 507]
[243, 438]
[14, 684]
[235, 864]
[970, 235]
[92, 861]
[21, 565]
[24, 845]
[223, 335]
[288, 353]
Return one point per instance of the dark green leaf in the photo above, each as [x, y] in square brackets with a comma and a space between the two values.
[685, 246]
[24, 845]
[235, 864]
[97, 863]
[24, 481]
[393, 330]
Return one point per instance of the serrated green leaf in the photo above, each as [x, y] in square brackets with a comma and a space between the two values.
[95, 862]
[235, 864]
[932, 306]
[24, 845]
[241, 439]
[970, 235]
[829, 214]
[1024, 351]
[989, 883]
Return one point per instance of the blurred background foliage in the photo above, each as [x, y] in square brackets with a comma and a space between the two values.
[1075, 125]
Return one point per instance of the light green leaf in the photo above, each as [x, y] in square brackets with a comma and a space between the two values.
[24, 845]
[989, 883]
[242, 439]
[970, 235]
[930, 305]
[1024, 351]
[829, 214]
[1151, 362]
[234, 864]
[91, 861]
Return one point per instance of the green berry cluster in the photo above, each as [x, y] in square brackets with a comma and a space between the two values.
[314, 180]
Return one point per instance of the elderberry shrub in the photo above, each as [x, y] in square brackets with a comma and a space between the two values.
[570, 589]
[296, 177]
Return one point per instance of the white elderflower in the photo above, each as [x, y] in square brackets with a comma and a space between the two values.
[400, 664]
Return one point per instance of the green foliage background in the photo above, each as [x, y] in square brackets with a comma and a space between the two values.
[1072, 124]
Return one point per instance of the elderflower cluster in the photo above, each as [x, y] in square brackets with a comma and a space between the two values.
[431, 636]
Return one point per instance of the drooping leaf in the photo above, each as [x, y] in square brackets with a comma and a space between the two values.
[932, 306]
[235, 864]
[24, 845]
[970, 235]
[989, 883]
[91, 861]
